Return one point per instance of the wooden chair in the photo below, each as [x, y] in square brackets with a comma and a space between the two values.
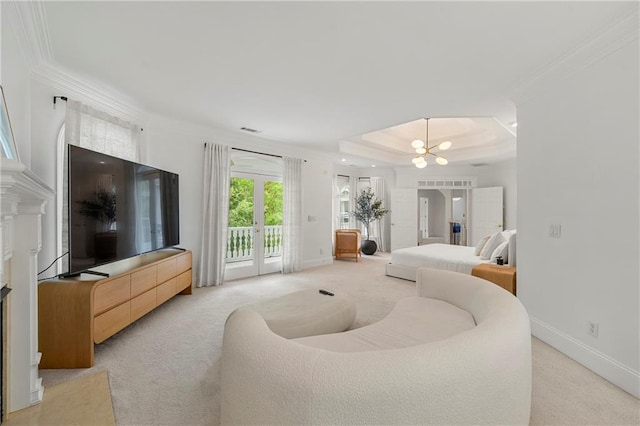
[348, 243]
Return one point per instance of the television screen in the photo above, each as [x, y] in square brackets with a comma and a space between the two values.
[118, 209]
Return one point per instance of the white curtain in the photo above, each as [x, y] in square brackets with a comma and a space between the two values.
[92, 129]
[89, 128]
[353, 193]
[215, 215]
[292, 215]
[377, 184]
[335, 211]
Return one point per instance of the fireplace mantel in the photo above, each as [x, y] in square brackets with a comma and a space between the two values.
[23, 197]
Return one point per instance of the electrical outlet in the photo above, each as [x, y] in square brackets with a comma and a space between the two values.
[555, 231]
[593, 328]
[321, 251]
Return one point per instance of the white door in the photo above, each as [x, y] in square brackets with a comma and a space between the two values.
[487, 212]
[254, 240]
[404, 218]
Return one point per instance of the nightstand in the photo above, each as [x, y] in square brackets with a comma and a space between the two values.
[504, 276]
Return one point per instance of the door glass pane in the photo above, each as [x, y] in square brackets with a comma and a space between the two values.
[272, 219]
[344, 217]
[241, 208]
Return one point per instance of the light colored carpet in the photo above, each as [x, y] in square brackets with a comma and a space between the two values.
[82, 401]
[165, 368]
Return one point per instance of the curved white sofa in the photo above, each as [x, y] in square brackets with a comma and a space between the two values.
[478, 376]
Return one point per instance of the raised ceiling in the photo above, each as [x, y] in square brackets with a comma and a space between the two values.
[324, 73]
[475, 140]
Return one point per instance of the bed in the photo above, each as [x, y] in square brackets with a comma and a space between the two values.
[404, 262]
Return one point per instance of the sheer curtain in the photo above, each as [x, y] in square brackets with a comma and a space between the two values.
[99, 131]
[292, 215]
[89, 128]
[377, 184]
[353, 193]
[215, 215]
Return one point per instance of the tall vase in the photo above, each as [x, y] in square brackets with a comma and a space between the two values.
[368, 246]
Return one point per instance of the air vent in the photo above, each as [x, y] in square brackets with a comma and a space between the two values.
[250, 130]
[479, 164]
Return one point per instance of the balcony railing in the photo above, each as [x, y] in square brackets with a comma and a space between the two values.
[240, 242]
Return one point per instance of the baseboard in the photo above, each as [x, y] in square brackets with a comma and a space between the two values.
[601, 364]
[312, 263]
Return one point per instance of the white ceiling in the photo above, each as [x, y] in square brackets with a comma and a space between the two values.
[329, 73]
[474, 140]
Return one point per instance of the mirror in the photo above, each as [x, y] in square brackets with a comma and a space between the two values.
[7, 142]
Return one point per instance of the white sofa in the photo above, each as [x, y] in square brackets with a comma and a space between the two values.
[423, 364]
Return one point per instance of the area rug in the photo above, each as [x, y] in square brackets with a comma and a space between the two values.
[82, 401]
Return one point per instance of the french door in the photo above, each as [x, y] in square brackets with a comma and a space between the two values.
[254, 235]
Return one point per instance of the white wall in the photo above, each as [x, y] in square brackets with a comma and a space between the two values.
[503, 174]
[46, 123]
[15, 81]
[498, 174]
[578, 162]
[385, 173]
[168, 144]
[317, 211]
[177, 146]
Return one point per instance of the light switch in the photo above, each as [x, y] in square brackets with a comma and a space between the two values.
[555, 231]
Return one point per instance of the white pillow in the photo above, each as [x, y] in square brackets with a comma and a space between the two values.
[506, 234]
[494, 241]
[481, 244]
[501, 250]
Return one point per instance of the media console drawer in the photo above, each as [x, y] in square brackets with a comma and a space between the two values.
[144, 280]
[143, 304]
[111, 293]
[112, 321]
[166, 291]
[166, 270]
[74, 313]
[183, 281]
[184, 262]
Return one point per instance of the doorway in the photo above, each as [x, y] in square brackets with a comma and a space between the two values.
[254, 235]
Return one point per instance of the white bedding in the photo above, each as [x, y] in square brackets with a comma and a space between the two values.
[438, 256]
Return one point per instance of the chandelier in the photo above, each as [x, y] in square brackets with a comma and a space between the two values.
[423, 150]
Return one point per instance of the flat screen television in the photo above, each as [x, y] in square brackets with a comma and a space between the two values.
[118, 209]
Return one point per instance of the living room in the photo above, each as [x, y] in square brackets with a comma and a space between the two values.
[567, 86]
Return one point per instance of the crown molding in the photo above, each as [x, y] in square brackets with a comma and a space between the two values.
[33, 36]
[604, 43]
[95, 94]
[33, 31]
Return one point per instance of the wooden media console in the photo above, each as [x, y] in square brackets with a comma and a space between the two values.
[74, 313]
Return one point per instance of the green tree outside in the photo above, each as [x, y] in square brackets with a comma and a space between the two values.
[241, 205]
[240, 202]
[272, 203]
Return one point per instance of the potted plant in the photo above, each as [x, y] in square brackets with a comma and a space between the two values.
[368, 209]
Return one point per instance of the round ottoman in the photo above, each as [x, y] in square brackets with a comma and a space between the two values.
[307, 313]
